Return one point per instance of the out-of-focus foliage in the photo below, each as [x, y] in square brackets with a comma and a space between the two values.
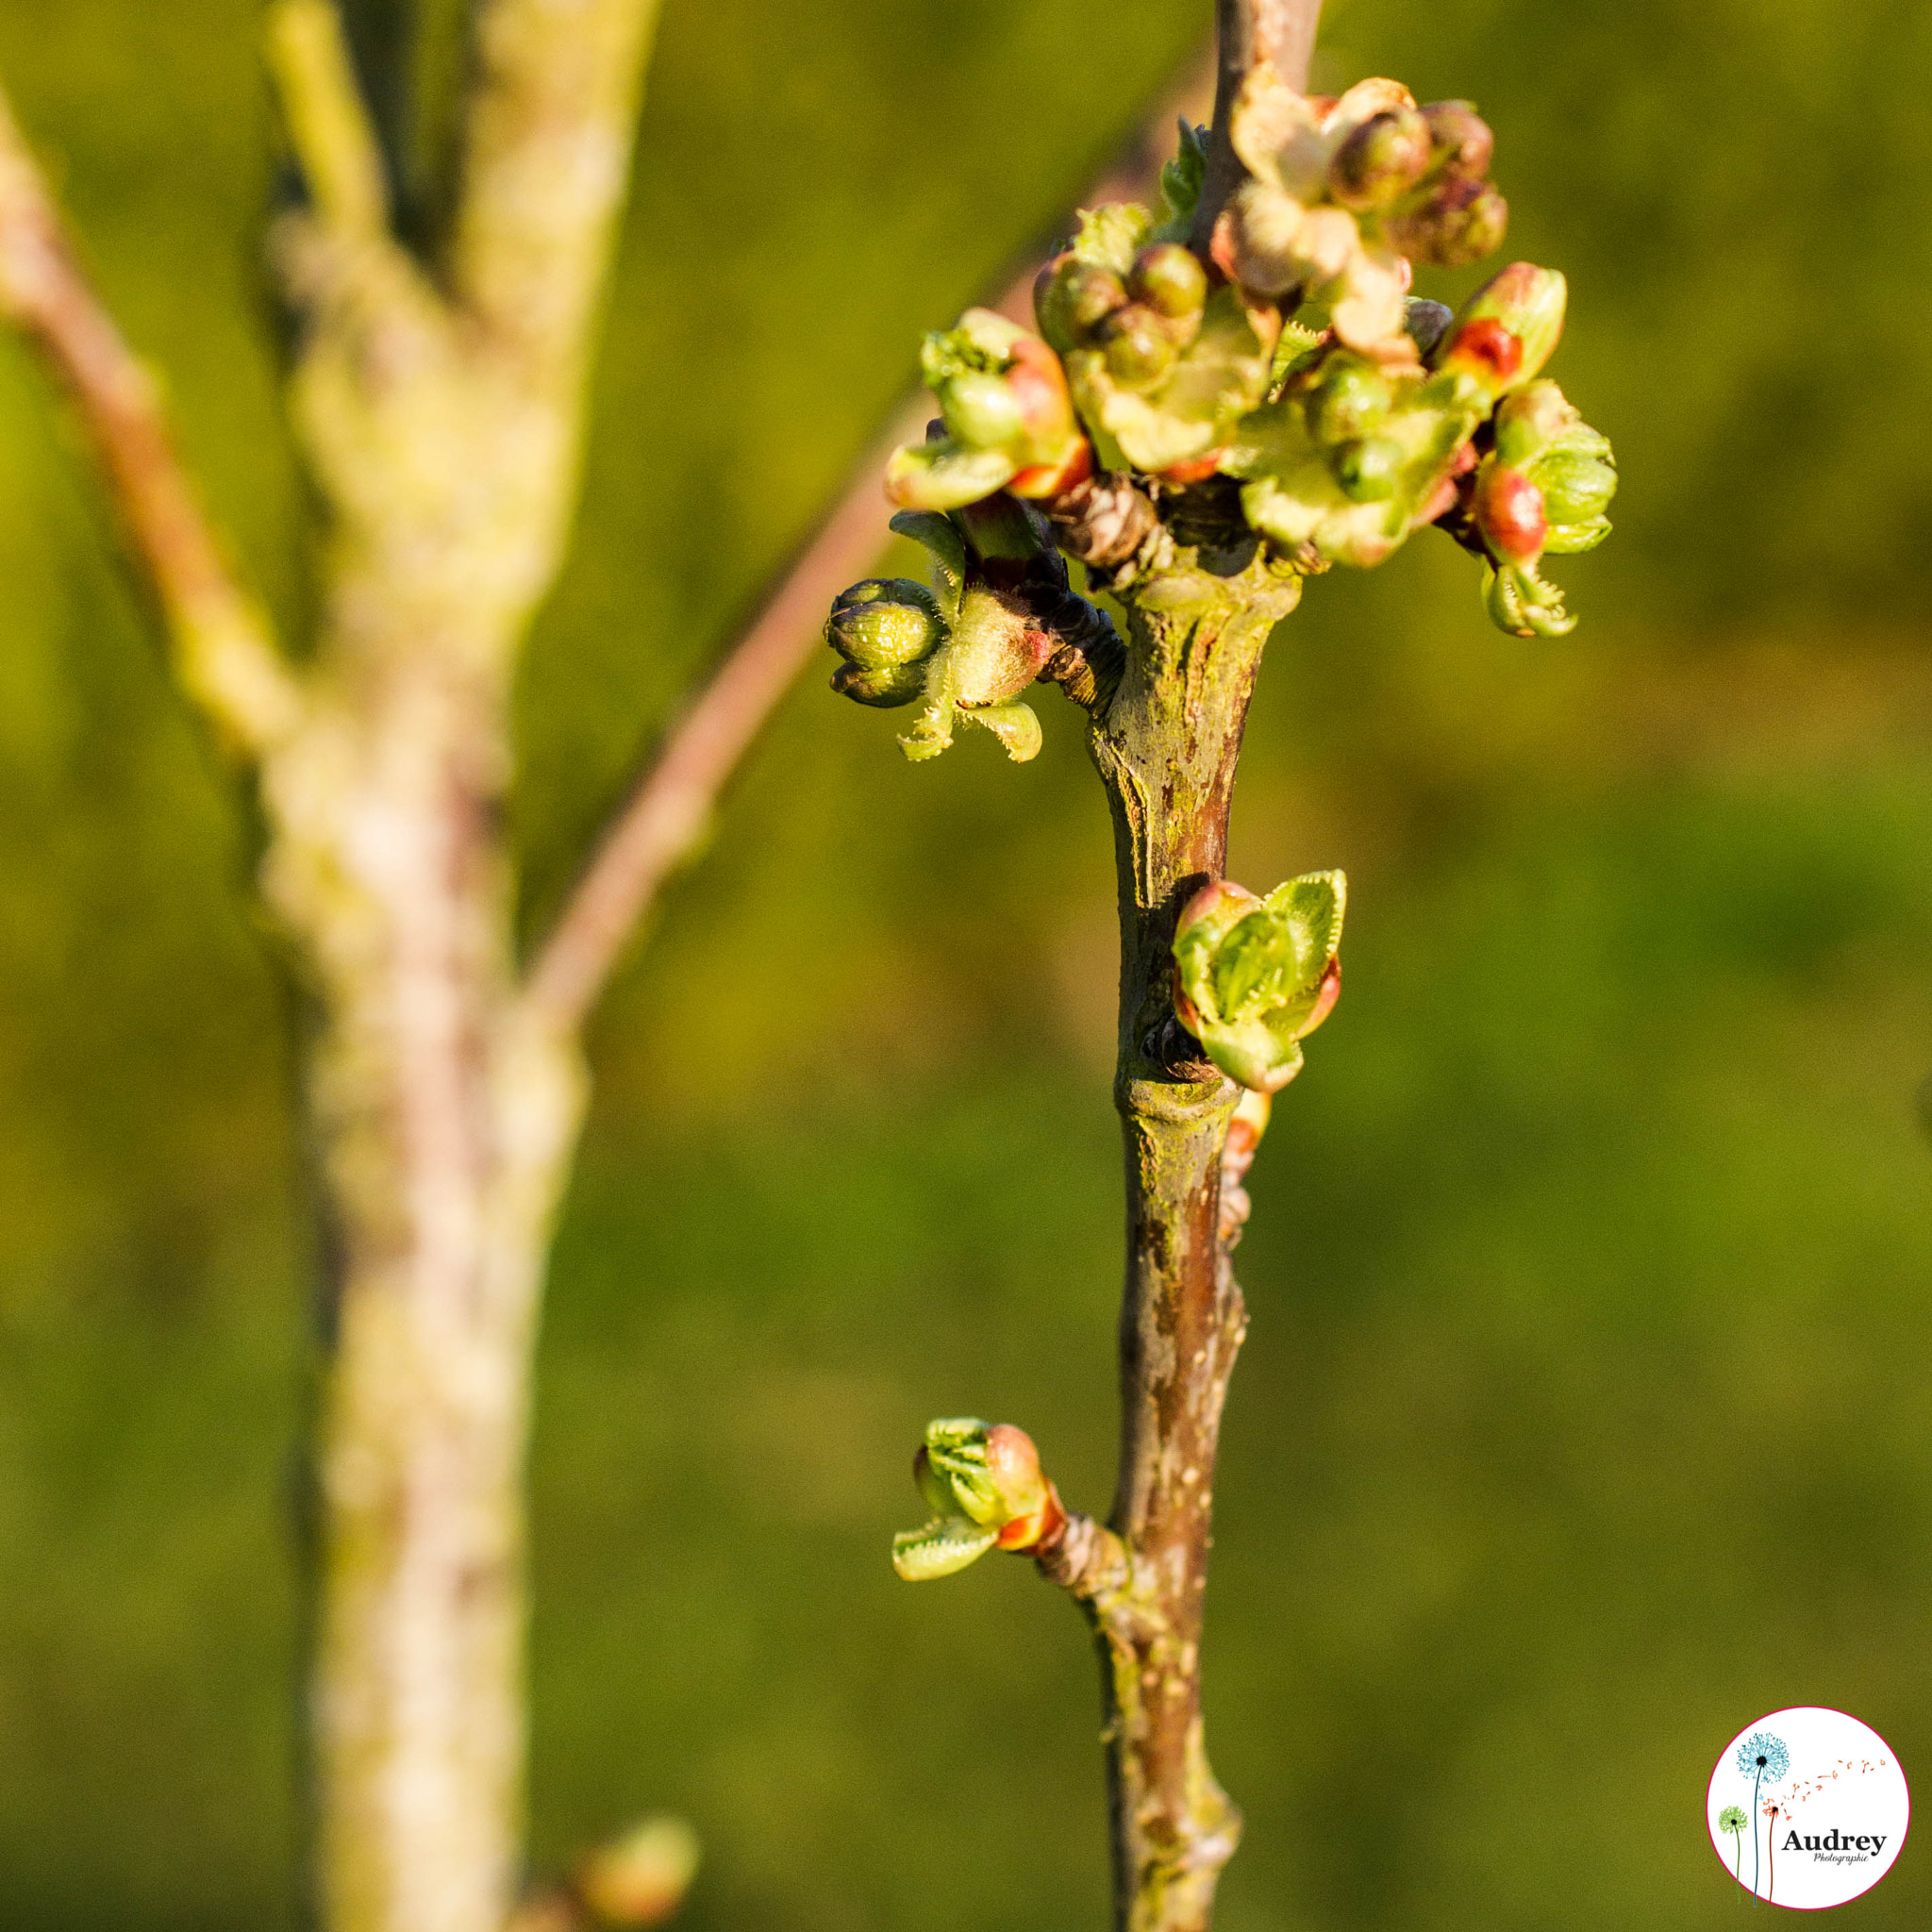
[1584, 1415]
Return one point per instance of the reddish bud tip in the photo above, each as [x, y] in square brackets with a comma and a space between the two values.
[1510, 513]
[1196, 470]
[1325, 999]
[1487, 350]
[1045, 481]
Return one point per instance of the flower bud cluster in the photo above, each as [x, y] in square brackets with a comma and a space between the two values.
[1009, 419]
[1162, 357]
[1289, 358]
[984, 1486]
[1352, 455]
[999, 616]
[1344, 193]
[1254, 977]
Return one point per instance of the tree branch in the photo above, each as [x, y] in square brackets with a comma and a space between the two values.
[222, 647]
[668, 809]
[545, 152]
[328, 120]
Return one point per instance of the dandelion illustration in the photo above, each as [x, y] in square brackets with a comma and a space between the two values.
[1770, 1848]
[1731, 1819]
[1762, 1758]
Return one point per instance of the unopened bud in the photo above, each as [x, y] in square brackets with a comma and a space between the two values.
[986, 1490]
[1380, 161]
[640, 1878]
[885, 622]
[1072, 299]
[889, 686]
[1508, 329]
[1576, 487]
[1139, 349]
[981, 409]
[1508, 512]
[1369, 469]
[1456, 221]
[1461, 143]
[1169, 279]
[1254, 977]
[1349, 400]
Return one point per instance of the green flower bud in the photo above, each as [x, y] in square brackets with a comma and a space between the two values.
[1369, 469]
[1253, 978]
[1576, 487]
[985, 1487]
[981, 409]
[1540, 432]
[1380, 161]
[1460, 140]
[1169, 279]
[1139, 349]
[1350, 400]
[1523, 307]
[889, 686]
[1072, 299]
[885, 622]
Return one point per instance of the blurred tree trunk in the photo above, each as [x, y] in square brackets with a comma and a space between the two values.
[437, 397]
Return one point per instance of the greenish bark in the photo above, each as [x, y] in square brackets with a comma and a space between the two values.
[1166, 748]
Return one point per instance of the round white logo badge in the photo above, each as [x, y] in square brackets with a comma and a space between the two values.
[1808, 1807]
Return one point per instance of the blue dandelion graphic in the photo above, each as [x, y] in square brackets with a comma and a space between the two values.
[1762, 1758]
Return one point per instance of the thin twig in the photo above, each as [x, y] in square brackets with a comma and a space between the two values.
[668, 810]
[329, 126]
[223, 650]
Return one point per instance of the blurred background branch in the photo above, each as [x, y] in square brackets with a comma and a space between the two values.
[223, 652]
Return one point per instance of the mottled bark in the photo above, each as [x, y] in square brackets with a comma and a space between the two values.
[1166, 749]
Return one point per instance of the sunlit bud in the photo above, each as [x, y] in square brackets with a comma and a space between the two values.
[1254, 977]
[887, 686]
[1509, 329]
[1380, 159]
[1427, 322]
[981, 409]
[1139, 349]
[1351, 398]
[1532, 420]
[640, 1878]
[986, 1490]
[1039, 384]
[885, 622]
[1169, 279]
[1509, 511]
[1461, 142]
[1369, 469]
[1072, 299]
[1576, 487]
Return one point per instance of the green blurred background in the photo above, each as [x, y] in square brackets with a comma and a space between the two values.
[1584, 1415]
